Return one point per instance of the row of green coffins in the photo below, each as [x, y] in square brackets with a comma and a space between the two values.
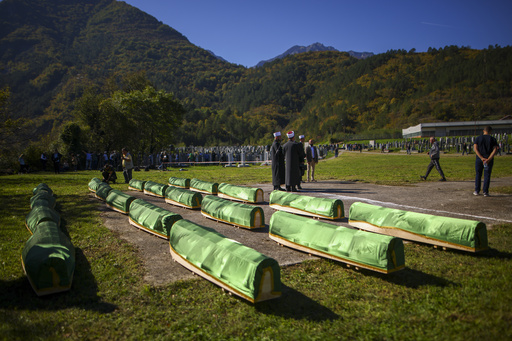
[48, 257]
[229, 264]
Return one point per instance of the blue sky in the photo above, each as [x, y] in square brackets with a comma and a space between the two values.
[246, 32]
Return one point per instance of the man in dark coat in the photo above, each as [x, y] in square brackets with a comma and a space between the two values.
[301, 160]
[278, 170]
[292, 155]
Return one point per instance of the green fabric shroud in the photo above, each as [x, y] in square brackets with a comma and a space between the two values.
[328, 208]
[179, 182]
[184, 197]
[49, 260]
[152, 218]
[155, 188]
[42, 187]
[232, 263]
[102, 191]
[469, 233]
[240, 214]
[40, 214]
[94, 184]
[119, 201]
[243, 193]
[375, 251]
[204, 186]
[43, 198]
[137, 185]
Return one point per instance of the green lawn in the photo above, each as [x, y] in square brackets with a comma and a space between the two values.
[446, 295]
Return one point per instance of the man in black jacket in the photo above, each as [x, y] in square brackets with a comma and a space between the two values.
[277, 156]
[434, 160]
[292, 155]
[485, 148]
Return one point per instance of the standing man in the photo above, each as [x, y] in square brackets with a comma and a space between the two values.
[485, 148]
[434, 160]
[301, 160]
[56, 156]
[312, 159]
[127, 163]
[292, 156]
[278, 171]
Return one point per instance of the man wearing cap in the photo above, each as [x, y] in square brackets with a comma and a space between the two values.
[278, 170]
[292, 155]
[301, 160]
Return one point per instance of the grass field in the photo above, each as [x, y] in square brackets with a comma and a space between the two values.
[441, 295]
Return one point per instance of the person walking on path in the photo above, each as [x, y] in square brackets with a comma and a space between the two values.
[485, 148]
[277, 156]
[127, 163]
[434, 160]
[312, 159]
[292, 155]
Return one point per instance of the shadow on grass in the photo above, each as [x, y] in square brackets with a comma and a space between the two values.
[415, 279]
[493, 253]
[295, 305]
[18, 294]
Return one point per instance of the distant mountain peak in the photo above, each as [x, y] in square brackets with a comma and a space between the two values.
[316, 47]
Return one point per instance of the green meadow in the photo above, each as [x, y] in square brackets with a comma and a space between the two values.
[441, 295]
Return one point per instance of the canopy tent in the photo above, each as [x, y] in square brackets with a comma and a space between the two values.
[48, 260]
[40, 214]
[155, 189]
[42, 187]
[43, 198]
[460, 234]
[136, 185]
[94, 184]
[119, 201]
[151, 218]
[240, 193]
[204, 186]
[362, 249]
[179, 182]
[183, 197]
[306, 205]
[234, 213]
[102, 191]
[225, 262]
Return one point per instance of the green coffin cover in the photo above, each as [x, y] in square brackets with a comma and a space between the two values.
[204, 186]
[94, 184]
[230, 212]
[179, 182]
[49, 260]
[155, 188]
[152, 218]
[183, 197]
[237, 266]
[40, 214]
[248, 194]
[137, 185]
[306, 205]
[43, 198]
[102, 191]
[119, 201]
[369, 250]
[42, 187]
[469, 234]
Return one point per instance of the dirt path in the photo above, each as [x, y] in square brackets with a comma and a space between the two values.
[452, 198]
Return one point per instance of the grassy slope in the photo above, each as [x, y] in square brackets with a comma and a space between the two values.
[441, 294]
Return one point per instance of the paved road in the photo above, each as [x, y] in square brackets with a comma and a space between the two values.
[449, 198]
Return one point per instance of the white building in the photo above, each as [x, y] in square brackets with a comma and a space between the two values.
[469, 128]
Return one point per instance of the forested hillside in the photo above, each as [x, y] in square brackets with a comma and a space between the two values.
[55, 52]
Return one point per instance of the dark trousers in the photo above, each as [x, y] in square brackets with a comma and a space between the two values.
[127, 173]
[479, 168]
[434, 163]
